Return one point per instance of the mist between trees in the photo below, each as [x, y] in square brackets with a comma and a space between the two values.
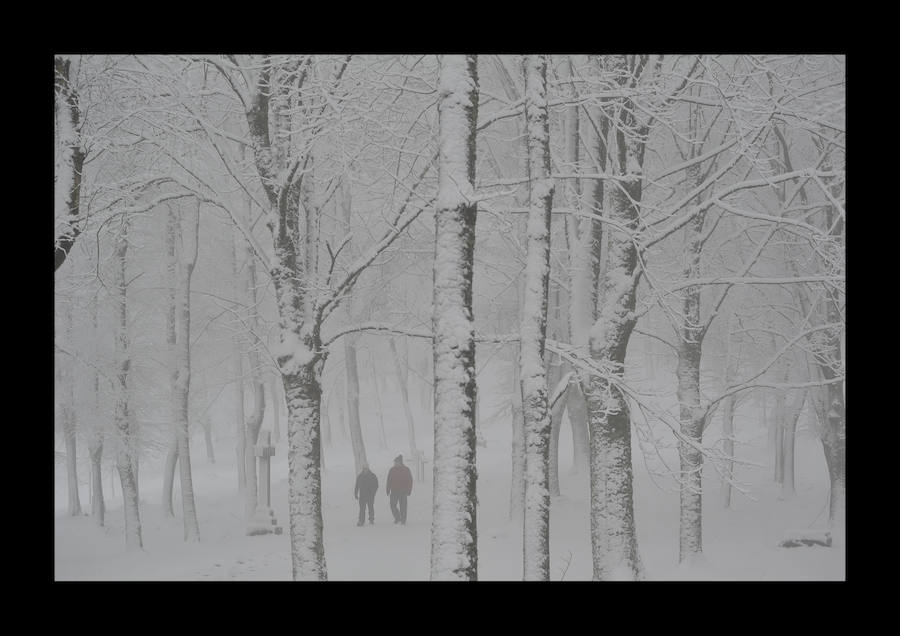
[639, 245]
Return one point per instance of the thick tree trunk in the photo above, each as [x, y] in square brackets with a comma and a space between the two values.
[454, 547]
[74, 508]
[126, 451]
[536, 532]
[169, 478]
[613, 536]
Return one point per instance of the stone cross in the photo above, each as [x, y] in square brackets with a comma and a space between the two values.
[264, 521]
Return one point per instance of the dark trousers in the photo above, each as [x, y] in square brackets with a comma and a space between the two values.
[399, 515]
[367, 501]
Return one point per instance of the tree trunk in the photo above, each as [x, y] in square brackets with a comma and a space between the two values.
[356, 436]
[788, 489]
[254, 421]
[454, 548]
[517, 482]
[237, 366]
[728, 448]
[126, 443]
[404, 393]
[69, 173]
[576, 406]
[276, 413]
[98, 507]
[690, 351]
[779, 417]
[379, 410]
[208, 439]
[67, 377]
[190, 228]
[172, 231]
[613, 538]
[536, 531]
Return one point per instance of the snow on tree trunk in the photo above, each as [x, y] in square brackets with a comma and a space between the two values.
[533, 377]
[454, 549]
[190, 227]
[69, 170]
[352, 370]
[126, 450]
[689, 350]
[613, 538]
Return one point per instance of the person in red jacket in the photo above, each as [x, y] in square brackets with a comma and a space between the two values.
[399, 487]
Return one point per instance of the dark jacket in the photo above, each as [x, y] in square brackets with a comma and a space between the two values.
[366, 484]
[399, 480]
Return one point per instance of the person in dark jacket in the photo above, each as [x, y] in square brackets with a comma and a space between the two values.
[366, 487]
[399, 487]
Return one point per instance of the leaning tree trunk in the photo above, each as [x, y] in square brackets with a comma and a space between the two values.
[126, 443]
[182, 381]
[172, 230]
[536, 531]
[454, 548]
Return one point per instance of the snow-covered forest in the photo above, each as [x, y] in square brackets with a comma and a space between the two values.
[594, 303]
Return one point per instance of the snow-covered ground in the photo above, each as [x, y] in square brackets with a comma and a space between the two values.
[738, 544]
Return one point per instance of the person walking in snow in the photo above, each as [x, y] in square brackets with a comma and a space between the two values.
[399, 487]
[366, 487]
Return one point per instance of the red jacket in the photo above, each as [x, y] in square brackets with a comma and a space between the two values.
[399, 480]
